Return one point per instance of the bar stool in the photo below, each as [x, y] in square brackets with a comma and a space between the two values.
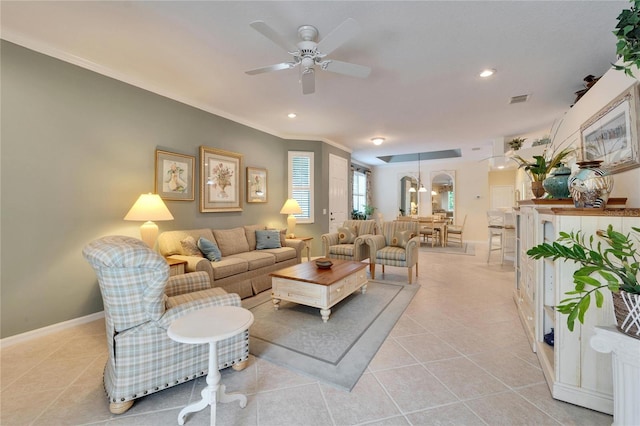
[496, 227]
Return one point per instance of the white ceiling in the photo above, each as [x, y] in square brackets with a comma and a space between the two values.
[423, 93]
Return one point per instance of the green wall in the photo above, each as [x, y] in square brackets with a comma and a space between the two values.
[78, 148]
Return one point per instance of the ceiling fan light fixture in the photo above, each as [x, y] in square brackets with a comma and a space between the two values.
[487, 73]
[377, 141]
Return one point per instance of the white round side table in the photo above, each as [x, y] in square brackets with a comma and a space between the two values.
[210, 325]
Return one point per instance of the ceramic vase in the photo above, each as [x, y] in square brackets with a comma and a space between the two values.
[590, 186]
[557, 184]
[537, 189]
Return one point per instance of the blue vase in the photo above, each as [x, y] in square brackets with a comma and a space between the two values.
[557, 184]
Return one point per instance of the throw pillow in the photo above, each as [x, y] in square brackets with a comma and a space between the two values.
[190, 247]
[231, 241]
[268, 239]
[347, 235]
[401, 238]
[283, 236]
[210, 249]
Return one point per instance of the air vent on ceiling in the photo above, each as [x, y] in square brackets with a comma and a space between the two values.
[519, 99]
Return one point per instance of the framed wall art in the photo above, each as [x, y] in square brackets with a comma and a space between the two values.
[256, 185]
[611, 136]
[174, 176]
[220, 180]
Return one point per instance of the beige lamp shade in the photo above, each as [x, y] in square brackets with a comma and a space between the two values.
[147, 208]
[291, 207]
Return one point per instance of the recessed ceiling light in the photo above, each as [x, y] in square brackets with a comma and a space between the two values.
[487, 73]
[292, 115]
[377, 141]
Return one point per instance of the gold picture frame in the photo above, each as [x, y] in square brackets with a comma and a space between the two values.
[221, 177]
[257, 188]
[174, 176]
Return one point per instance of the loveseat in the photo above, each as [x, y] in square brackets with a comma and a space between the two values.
[244, 265]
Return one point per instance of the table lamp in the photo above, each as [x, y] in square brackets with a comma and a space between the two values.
[291, 207]
[149, 207]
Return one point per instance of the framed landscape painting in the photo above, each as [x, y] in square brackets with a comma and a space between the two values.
[611, 136]
[256, 185]
[220, 180]
[174, 176]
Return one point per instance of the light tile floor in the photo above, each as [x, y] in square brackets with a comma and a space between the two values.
[457, 356]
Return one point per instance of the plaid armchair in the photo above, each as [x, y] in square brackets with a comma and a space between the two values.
[140, 302]
[395, 247]
[357, 250]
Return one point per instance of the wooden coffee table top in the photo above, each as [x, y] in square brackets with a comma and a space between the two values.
[310, 273]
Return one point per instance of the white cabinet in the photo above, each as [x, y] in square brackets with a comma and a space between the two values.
[574, 371]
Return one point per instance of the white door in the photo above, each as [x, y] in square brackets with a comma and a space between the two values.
[338, 191]
[502, 196]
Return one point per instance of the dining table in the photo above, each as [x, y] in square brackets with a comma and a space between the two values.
[436, 224]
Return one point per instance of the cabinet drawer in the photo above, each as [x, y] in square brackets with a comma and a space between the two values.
[286, 289]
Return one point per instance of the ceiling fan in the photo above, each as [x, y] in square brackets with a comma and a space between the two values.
[309, 54]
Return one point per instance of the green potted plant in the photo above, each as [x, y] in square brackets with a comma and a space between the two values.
[628, 34]
[368, 210]
[616, 263]
[539, 169]
[516, 143]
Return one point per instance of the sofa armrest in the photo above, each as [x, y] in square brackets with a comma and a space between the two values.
[375, 243]
[412, 250]
[209, 298]
[299, 245]
[361, 248]
[187, 283]
[329, 240]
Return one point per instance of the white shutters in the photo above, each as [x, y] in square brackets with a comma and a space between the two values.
[301, 183]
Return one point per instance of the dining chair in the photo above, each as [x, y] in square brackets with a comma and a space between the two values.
[454, 233]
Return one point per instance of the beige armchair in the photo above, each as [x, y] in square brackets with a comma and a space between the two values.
[397, 245]
[357, 250]
[140, 302]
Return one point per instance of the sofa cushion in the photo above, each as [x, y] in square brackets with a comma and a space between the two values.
[227, 267]
[283, 253]
[231, 241]
[190, 247]
[169, 241]
[342, 250]
[347, 234]
[209, 249]
[267, 239]
[250, 234]
[255, 259]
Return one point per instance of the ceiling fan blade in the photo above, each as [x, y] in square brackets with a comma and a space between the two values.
[271, 34]
[308, 80]
[338, 36]
[276, 67]
[347, 68]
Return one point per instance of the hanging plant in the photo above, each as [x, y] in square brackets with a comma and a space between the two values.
[628, 33]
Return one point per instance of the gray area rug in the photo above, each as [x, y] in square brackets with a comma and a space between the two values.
[468, 249]
[336, 352]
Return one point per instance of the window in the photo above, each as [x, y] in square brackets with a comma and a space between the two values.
[301, 183]
[359, 191]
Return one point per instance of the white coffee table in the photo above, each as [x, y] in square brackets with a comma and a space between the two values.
[307, 285]
[210, 325]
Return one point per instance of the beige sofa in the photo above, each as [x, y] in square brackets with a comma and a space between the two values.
[242, 269]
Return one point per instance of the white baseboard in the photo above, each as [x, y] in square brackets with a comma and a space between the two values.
[29, 335]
